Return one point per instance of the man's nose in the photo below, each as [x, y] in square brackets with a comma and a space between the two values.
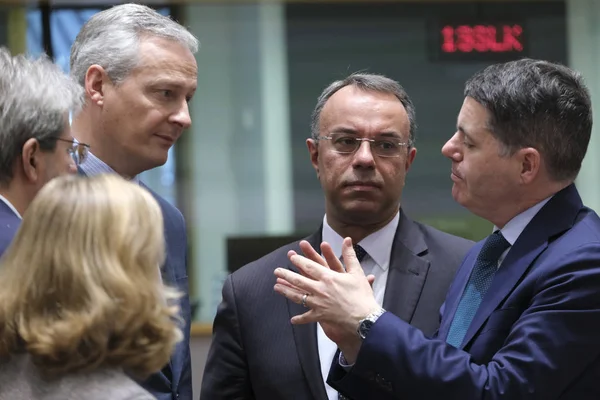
[364, 155]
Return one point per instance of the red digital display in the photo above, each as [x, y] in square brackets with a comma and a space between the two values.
[482, 39]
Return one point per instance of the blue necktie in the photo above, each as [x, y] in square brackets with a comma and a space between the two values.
[477, 286]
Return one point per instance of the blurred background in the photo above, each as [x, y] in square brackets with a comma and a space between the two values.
[241, 174]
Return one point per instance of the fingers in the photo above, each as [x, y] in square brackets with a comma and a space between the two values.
[293, 294]
[307, 267]
[350, 260]
[297, 296]
[302, 283]
[292, 253]
[334, 263]
[307, 317]
[371, 279]
[284, 282]
[311, 253]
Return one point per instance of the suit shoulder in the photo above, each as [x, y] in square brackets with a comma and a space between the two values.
[445, 242]
[584, 233]
[8, 230]
[169, 210]
[588, 226]
[261, 270]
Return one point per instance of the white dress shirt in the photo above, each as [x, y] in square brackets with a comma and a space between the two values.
[9, 205]
[378, 246]
[513, 228]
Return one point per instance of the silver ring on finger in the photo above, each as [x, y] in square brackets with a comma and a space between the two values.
[304, 300]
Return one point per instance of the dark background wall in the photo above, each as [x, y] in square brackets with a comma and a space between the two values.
[329, 41]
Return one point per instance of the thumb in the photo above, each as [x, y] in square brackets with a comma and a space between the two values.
[371, 279]
[350, 260]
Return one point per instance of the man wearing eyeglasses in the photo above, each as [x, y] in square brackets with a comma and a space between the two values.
[521, 320]
[361, 147]
[35, 138]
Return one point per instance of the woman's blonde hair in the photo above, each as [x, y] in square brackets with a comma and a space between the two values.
[80, 286]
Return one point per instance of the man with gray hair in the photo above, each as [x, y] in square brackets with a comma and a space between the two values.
[35, 137]
[361, 147]
[138, 71]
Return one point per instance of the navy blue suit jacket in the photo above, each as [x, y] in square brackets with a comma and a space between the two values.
[536, 334]
[175, 379]
[9, 224]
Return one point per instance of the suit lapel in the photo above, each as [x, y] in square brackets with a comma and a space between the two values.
[555, 217]
[408, 270]
[167, 271]
[305, 337]
[522, 256]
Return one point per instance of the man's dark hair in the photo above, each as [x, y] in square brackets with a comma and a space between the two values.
[368, 82]
[537, 104]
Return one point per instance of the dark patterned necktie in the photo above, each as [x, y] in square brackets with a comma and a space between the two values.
[479, 282]
[360, 252]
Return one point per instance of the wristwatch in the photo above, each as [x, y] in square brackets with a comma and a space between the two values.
[364, 325]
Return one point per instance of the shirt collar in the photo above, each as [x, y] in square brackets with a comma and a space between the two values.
[513, 229]
[95, 166]
[9, 205]
[378, 244]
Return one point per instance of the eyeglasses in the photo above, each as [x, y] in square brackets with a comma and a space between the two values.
[345, 144]
[78, 151]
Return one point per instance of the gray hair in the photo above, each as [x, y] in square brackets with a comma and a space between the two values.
[111, 39]
[367, 82]
[35, 96]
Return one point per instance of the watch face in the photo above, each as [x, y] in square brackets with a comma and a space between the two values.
[364, 328]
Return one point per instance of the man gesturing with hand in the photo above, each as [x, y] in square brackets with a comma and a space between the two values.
[361, 146]
[521, 319]
[339, 299]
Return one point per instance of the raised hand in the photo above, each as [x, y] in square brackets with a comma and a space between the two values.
[336, 298]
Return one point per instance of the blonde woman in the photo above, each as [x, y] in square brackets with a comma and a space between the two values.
[83, 310]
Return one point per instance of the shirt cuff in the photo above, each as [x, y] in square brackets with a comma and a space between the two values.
[343, 363]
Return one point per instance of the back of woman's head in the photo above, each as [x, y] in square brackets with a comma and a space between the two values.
[81, 285]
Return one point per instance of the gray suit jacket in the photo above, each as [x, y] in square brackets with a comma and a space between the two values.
[20, 380]
[256, 353]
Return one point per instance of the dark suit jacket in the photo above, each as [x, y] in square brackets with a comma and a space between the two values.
[536, 334]
[9, 224]
[175, 379]
[256, 353]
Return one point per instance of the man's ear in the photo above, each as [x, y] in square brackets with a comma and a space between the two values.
[313, 151]
[96, 80]
[412, 153]
[530, 163]
[30, 159]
